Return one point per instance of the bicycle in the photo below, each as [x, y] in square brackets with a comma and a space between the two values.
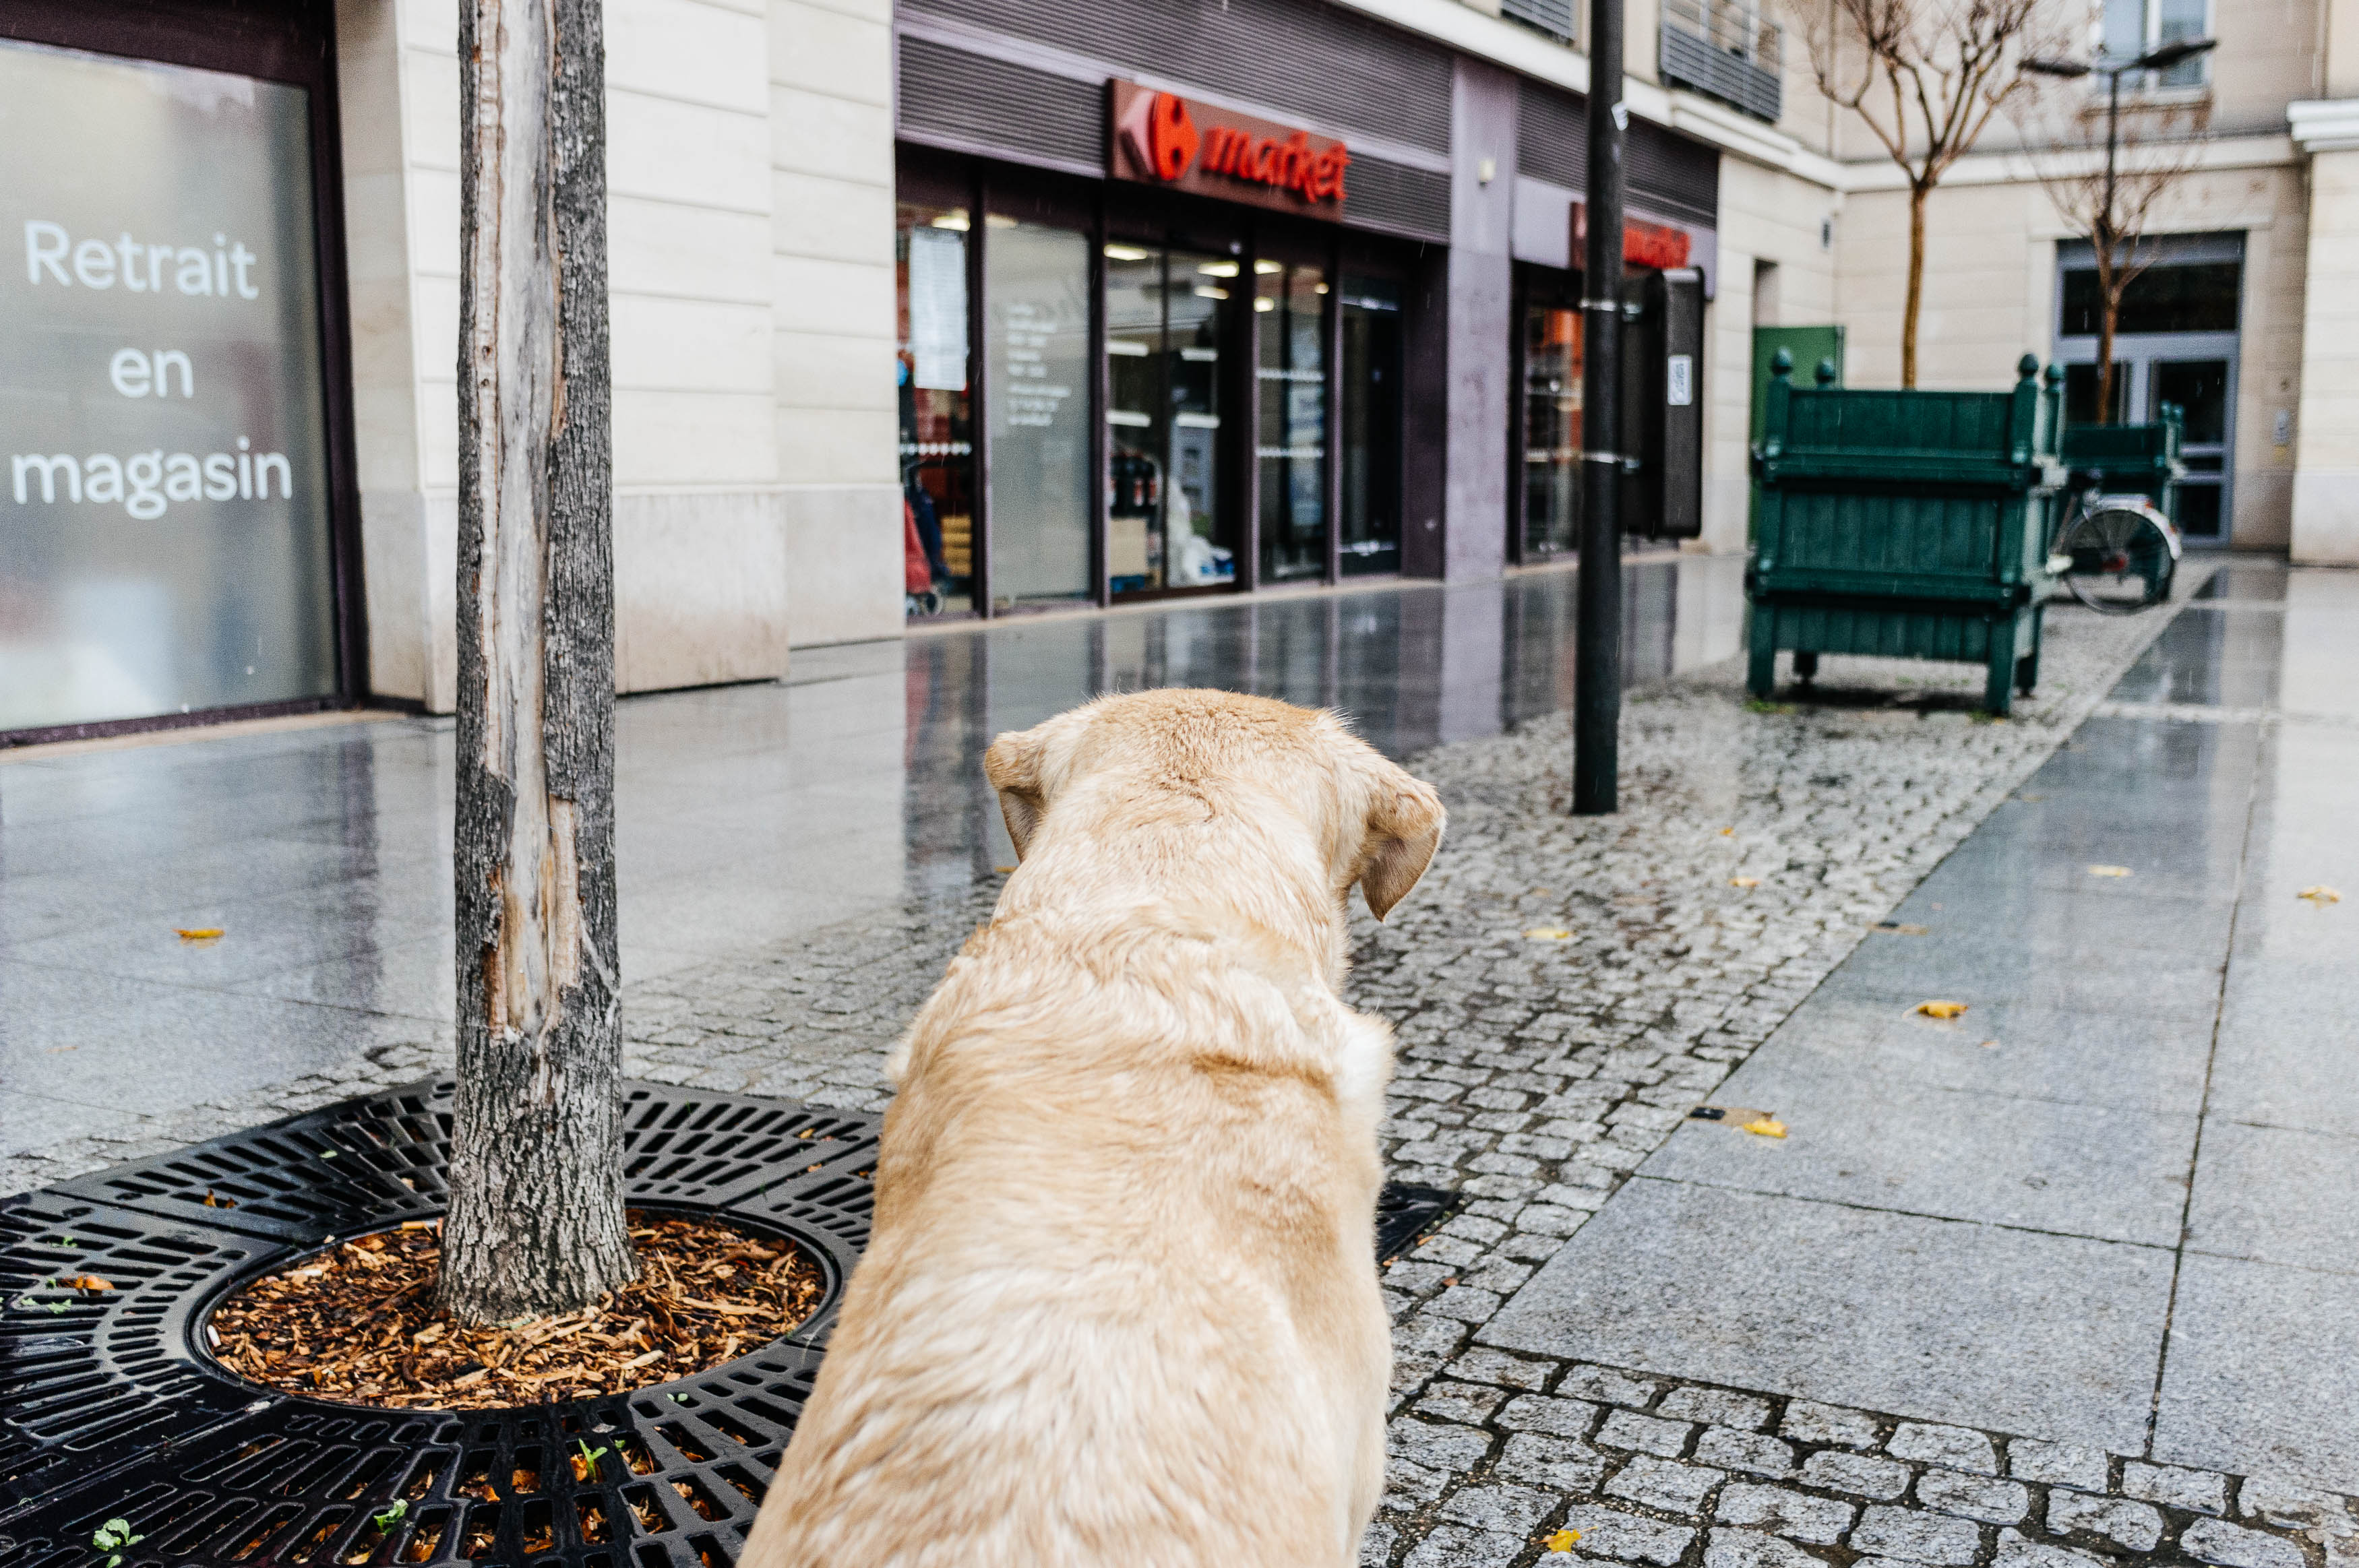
[2115, 554]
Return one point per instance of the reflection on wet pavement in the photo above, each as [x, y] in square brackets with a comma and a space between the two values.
[746, 815]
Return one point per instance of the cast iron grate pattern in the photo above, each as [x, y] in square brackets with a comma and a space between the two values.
[107, 1410]
[1406, 1212]
[88, 1374]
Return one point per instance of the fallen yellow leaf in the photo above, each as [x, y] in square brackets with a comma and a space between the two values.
[1766, 1127]
[2319, 896]
[1547, 934]
[87, 1282]
[1563, 1540]
[1940, 1009]
[1727, 832]
[198, 933]
[1744, 882]
[2109, 870]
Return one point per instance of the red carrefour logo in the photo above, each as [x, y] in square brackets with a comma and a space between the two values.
[1170, 135]
[1160, 134]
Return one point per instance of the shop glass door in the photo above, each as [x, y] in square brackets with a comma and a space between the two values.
[1290, 437]
[2200, 387]
[937, 413]
[1036, 402]
[164, 497]
[1371, 456]
[1167, 313]
[2176, 340]
[1551, 429]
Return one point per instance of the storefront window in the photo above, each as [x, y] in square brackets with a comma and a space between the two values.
[1167, 316]
[1290, 303]
[1551, 429]
[164, 497]
[937, 411]
[1037, 345]
[1372, 425]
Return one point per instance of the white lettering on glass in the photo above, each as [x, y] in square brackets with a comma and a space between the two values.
[135, 375]
[140, 265]
[129, 372]
[145, 483]
[45, 250]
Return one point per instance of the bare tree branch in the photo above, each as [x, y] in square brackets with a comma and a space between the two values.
[1947, 66]
[2110, 201]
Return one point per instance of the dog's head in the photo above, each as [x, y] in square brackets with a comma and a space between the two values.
[1182, 755]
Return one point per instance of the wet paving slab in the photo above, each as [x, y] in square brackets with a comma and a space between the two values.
[2104, 1205]
[748, 815]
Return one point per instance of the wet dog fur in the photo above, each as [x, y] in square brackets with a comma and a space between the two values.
[1121, 1304]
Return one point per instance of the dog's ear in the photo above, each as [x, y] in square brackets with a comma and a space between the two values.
[1405, 823]
[1013, 767]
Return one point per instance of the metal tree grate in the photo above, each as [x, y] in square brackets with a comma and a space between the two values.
[107, 1410]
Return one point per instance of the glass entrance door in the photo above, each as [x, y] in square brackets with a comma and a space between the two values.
[1290, 441]
[2175, 341]
[1168, 314]
[1551, 414]
[1371, 407]
[1036, 400]
[2200, 387]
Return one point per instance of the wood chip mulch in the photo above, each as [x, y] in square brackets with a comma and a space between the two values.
[357, 1324]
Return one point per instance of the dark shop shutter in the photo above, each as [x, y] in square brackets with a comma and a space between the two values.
[1678, 177]
[1306, 59]
[1667, 173]
[1552, 137]
[949, 98]
[1391, 195]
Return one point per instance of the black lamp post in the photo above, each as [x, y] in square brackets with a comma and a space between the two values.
[1597, 635]
[2161, 57]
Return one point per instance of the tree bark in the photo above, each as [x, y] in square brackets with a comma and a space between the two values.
[536, 1220]
[1917, 194]
[2109, 293]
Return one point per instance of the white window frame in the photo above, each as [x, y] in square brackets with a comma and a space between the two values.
[2149, 84]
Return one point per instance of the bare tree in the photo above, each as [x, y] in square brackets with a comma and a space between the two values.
[1925, 77]
[535, 1222]
[2108, 170]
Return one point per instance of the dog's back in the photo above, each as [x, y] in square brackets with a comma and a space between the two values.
[1120, 1305]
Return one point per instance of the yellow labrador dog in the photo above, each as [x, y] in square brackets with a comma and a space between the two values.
[1121, 1304]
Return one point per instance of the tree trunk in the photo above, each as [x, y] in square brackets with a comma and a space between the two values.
[2106, 360]
[535, 1221]
[2109, 295]
[1917, 194]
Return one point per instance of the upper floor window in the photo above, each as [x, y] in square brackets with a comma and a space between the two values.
[2134, 27]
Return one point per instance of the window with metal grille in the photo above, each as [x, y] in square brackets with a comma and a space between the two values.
[1553, 17]
[1726, 50]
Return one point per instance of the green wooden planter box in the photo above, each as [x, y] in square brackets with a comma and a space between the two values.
[2131, 460]
[1905, 525]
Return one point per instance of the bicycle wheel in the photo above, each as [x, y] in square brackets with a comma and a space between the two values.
[2122, 557]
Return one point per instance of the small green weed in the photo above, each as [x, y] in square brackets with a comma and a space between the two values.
[112, 1538]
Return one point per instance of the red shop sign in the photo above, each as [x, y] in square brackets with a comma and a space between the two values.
[1659, 246]
[1161, 138]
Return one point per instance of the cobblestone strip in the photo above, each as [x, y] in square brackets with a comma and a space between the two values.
[1501, 1452]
